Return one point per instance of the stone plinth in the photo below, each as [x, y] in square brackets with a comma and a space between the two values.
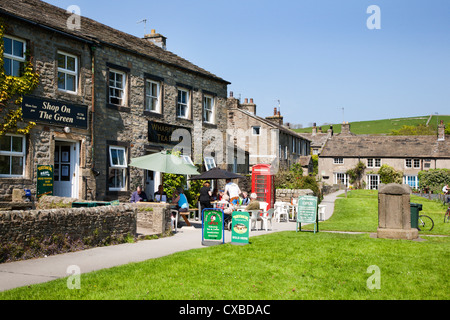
[394, 212]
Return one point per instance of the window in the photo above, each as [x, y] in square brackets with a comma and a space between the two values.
[208, 109]
[12, 156]
[67, 72]
[338, 161]
[286, 150]
[117, 169]
[14, 56]
[412, 181]
[373, 181]
[188, 160]
[117, 81]
[183, 104]
[152, 96]
[416, 163]
[256, 131]
[371, 163]
[410, 162]
[209, 163]
[341, 178]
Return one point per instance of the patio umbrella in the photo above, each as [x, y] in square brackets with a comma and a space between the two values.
[216, 173]
[165, 163]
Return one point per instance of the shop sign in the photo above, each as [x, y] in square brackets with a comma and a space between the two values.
[161, 133]
[240, 228]
[54, 112]
[213, 226]
[307, 212]
[44, 181]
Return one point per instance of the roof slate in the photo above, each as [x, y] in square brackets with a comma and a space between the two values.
[371, 146]
[56, 18]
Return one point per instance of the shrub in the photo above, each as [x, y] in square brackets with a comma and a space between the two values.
[390, 175]
[434, 179]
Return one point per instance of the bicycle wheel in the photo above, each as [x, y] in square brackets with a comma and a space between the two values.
[447, 216]
[425, 223]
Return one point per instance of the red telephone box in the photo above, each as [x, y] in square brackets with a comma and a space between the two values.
[263, 184]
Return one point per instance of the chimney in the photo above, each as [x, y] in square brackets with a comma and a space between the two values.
[345, 128]
[330, 132]
[441, 131]
[314, 129]
[249, 106]
[157, 39]
[276, 118]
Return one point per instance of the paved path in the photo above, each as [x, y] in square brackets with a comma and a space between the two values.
[24, 273]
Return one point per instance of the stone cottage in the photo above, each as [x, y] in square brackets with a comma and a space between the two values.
[408, 154]
[116, 96]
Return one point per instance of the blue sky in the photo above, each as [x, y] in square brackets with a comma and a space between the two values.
[315, 56]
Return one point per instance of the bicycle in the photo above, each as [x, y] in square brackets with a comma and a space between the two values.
[425, 223]
[447, 216]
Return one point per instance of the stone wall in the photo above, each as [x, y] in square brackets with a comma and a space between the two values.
[153, 216]
[22, 226]
[285, 195]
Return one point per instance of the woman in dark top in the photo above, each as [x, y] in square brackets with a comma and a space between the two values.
[205, 196]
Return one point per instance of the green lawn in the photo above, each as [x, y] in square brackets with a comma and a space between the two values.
[359, 212]
[279, 266]
[384, 126]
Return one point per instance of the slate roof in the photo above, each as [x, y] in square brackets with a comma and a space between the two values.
[49, 16]
[375, 146]
[317, 140]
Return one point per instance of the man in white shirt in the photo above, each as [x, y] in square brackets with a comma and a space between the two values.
[233, 191]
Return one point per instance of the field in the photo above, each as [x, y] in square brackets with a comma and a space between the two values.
[281, 266]
[383, 126]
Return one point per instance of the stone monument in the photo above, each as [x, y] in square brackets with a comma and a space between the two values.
[394, 212]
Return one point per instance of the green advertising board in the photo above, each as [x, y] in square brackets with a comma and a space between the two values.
[240, 230]
[44, 181]
[307, 212]
[213, 230]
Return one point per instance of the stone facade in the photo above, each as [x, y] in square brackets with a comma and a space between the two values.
[22, 226]
[286, 195]
[266, 140]
[154, 217]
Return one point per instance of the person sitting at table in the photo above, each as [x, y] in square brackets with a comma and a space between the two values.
[254, 203]
[215, 195]
[179, 198]
[226, 206]
[160, 195]
[138, 196]
[245, 200]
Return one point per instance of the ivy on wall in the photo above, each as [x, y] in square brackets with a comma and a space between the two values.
[12, 90]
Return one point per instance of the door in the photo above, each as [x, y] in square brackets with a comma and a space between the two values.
[373, 181]
[66, 169]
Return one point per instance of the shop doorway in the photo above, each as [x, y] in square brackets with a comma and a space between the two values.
[66, 169]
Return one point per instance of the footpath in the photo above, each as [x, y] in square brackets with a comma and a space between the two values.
[29, 272]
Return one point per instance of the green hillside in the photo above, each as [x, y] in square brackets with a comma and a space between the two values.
[383, 126]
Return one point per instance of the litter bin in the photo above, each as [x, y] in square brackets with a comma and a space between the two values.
[84, 204]
[415, 208]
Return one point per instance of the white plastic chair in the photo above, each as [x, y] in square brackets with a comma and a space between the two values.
[282, 210]
[263, 206]
[268, 217]
[255, 217]
[174, 221]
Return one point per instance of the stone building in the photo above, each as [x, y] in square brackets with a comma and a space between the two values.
[408, 154]
[131, 94]
[266, 140]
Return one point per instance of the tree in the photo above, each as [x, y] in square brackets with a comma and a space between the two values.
[390, 175]
[434, 179]
[355, 174]
[419, 130]
[12, 90]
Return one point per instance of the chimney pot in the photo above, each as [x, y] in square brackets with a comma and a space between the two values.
[246, 100]
[251, 100]
[231, 94]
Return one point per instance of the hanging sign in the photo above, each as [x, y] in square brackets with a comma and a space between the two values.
[44, 181]
[240, 228]
[213, 230]
[54, 112]
[307, 212]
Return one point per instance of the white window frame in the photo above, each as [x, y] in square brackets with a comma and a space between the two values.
[15, 154]
[13, 57]
[341, 177]
[414, 161]
[115, 87]
[210, 163]
[149, 95]
[186, 105]
[119, 166]
[208, 109]
[373, 181]
[416, 181]
[409, 163]
[254, 133]
[188, 160]
[338, 160]
[370, 163]
[67, 72]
